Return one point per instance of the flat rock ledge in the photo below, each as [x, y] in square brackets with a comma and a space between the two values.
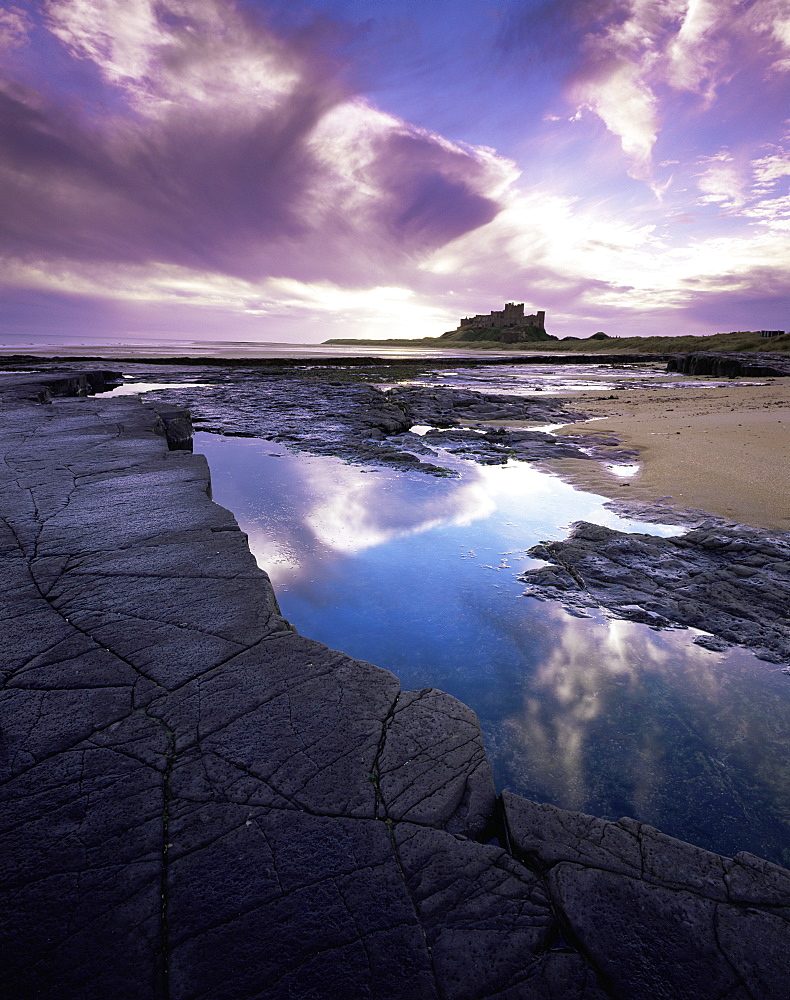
[198, 802]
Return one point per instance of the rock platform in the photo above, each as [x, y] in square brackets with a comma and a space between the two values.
[201, 804]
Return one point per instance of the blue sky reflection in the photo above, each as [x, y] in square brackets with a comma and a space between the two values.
[419, 575]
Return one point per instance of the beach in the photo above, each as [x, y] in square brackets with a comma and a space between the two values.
[718, 448]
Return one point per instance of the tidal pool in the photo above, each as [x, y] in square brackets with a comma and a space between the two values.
[132, 388]
[419, 575]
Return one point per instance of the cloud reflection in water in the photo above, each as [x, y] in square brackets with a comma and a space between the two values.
[419, 575]
[349, 512]
[302, 510]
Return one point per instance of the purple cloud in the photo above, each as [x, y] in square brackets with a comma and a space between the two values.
[627, 61]
[211, 176]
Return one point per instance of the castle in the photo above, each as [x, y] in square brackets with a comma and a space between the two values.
[511, 315]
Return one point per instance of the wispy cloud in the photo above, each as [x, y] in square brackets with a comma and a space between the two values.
[722, 180]
[15, 25]
[632, 55]
[237, 152]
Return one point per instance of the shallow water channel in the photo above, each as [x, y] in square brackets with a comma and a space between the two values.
[419, 575]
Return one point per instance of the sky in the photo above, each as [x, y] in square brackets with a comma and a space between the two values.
[288, 171]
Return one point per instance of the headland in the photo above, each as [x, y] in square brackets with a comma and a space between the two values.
[473, 340]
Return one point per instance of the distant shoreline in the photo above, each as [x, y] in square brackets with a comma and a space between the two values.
[184, 351]
[307, 356]
[737, 341]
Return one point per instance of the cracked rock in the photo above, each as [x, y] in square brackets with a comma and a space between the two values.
[728, 580]
[655, 916]
[198, 802]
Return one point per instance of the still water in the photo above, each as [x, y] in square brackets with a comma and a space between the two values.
[419, 575]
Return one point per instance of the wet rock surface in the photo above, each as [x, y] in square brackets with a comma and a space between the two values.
[496, 446]
[198, 802]
[729, 580]
[362, 423]
[731, 364]
[446, 407]
[356, 422]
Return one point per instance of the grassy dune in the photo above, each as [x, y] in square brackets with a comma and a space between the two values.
[740, 341]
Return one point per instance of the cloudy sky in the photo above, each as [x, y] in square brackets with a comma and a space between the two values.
[280, 170]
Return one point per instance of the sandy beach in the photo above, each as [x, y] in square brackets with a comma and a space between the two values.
[724, 449]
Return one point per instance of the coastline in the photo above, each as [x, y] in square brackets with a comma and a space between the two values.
[704, 448]
[251, 812]
[718, 448]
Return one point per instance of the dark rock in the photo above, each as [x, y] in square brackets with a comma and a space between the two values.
[652, 915]
[58, 382]
[729, 580]
[444, 407]
[429, 741]
[183, 773]
[361, 423]
[731, 364]
[356, 422]
[495, 447]
[176, 427]
[713, 643]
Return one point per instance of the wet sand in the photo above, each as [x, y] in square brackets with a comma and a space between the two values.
[724, 449]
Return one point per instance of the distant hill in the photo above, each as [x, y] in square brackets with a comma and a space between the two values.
[737, 341]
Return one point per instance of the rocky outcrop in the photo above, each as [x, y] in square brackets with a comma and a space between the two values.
[731, 364]
[56, 382]
[78, 383]
[498, 445]
[445, 407]
[321, 417]
[731, 581]
[362, 423]
[175, 426]
[446, 410]
[623, 888]
[199, 802]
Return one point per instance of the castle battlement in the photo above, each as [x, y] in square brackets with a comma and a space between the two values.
[511, 315]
